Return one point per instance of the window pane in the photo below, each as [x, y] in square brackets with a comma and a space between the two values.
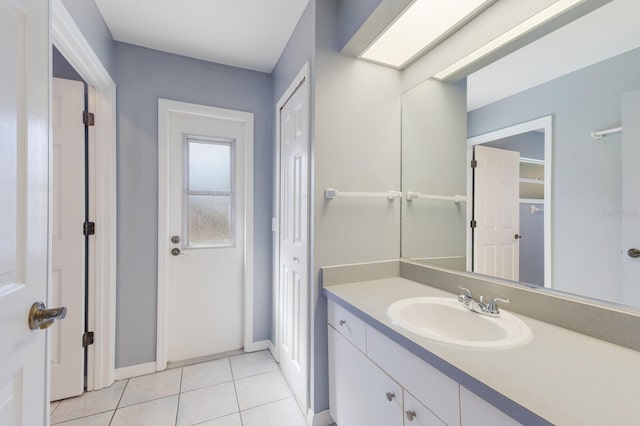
[209, 166]
[209, 220]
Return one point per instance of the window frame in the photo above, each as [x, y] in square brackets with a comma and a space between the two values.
[186, 192]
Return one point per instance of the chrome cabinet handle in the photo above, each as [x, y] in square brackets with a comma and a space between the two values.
[342, 322]
[41, 318]
[390, 396]
[517, 236]
[411, 415]
[634, 253]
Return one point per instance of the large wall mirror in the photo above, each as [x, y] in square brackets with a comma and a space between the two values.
[528, 169]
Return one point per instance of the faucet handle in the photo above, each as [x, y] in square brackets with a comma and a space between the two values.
[492, 307]
[466, 291]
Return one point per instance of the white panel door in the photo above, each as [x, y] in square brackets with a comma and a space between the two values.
[24, 204]
[68, 209]
[206, 204]
[294, 241]
[497, 212]
[630, 197]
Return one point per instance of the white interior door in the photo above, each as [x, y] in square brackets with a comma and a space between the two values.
[68, 253]
[294, 241]
[497, 212]
[24, 204]
[206, 235]
[630, 197]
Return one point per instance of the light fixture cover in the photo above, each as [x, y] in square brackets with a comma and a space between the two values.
[422, 25]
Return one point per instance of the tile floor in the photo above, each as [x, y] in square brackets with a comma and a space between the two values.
[243, 390]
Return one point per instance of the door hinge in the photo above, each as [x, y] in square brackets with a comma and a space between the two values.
[87, 339]
[473, 224]
[474, 164]
[88, 228]
[88, 118]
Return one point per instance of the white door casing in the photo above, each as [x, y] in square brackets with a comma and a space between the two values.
[101, 305]
[293, 237]
[24, 209]
[68, 249]
[206, 290]
[497, 212]
[630, 213]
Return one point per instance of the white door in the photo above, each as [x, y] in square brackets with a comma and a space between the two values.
[68, 254]
[294, 241]
[205, 235]
[496, 212]
[24, 205]
[630, 197]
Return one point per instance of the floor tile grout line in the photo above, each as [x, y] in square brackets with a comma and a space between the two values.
[119, 401]
[235, 391]
[81, 417]
[179, 394]
[267, 403]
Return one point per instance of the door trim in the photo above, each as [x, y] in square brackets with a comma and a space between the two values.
[165, 107]
[545, 123]
[70, 41]
[303, 74]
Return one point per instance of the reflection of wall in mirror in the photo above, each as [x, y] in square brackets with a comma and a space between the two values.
[433, 162]
[586, 173]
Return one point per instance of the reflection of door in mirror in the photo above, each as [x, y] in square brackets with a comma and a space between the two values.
[496, 194]
[511, 203]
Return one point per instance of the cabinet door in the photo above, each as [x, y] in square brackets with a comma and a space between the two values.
[474, 410]
[416, 414]
[359, 392]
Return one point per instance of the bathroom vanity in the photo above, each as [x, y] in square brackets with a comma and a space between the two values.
[380, 374]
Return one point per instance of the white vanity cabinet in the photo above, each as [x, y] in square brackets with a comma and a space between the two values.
[360, 393]
[374, 381]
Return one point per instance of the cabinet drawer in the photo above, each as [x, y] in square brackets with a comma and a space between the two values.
[416, 414]
[347, 324]
[437, 392]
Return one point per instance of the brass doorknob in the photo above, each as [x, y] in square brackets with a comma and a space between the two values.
[41, 318]
[633, 252]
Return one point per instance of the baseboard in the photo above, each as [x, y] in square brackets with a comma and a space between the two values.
[272, 349]
[258, 346]
[323, 418]
[135, 370]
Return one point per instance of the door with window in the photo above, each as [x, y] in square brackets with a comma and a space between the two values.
[205, 236]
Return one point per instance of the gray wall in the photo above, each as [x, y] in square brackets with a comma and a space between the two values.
[586, 173]
[143, 76]
[357, 148]
[61, 68]
[88, 18]
[351, 15]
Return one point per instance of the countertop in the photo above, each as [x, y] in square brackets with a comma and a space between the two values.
[564, 377]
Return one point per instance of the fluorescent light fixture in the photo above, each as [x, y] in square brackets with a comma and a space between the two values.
[420, 27]
[515, 32]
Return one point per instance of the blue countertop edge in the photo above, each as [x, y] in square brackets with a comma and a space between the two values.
[498, 400]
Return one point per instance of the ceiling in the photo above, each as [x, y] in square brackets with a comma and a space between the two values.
[248, 34]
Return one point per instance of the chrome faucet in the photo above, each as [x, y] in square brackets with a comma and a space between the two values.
[489, 309]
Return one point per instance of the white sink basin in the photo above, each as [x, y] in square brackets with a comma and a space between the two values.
[445, 320]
